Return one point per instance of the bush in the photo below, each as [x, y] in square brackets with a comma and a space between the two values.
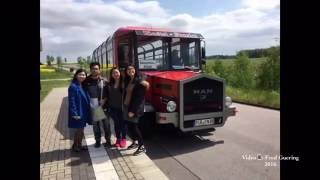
[223, 70]
[269, 73]
[208, 68]
[218, 68]
[242, 73]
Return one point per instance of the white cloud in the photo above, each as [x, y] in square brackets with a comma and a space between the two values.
[261, 4]
[149, 8]
[71, 29]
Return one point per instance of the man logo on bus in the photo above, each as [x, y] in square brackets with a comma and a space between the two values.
[203, 93]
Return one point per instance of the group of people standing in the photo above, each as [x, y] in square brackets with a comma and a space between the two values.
[122, 96]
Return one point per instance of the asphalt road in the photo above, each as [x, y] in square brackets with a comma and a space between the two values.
[221, 155]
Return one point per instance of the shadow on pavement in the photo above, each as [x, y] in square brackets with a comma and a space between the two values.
[80, 162]
[56, 155]
[167, 143]
[62, 122]
[80, 158]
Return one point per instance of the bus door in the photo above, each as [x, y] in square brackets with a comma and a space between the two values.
[125, 51]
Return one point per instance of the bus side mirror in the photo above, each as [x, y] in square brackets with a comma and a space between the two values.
[203, 53]
[203, 62]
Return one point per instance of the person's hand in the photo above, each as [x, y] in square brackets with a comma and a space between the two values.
[76, 117]
[102, 101]
[130, 114]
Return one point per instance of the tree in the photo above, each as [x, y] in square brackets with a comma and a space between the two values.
[59, 61]
[88, 59]
[243, 74]
[50, 59]
[269, 74]
[81, 61]
[218, 68]
[222, 70]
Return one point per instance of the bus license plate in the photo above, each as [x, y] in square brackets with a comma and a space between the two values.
[203, 122]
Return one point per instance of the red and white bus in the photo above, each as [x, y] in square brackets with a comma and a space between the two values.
[180, 94]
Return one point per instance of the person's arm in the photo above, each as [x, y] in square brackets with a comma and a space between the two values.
[105, 96]
[72, 95]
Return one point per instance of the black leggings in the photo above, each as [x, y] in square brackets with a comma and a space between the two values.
[135, 132]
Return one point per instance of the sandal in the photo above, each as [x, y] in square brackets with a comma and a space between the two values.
[132, 146]
[141, 149]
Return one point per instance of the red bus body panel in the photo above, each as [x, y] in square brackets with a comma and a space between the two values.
[165, 84]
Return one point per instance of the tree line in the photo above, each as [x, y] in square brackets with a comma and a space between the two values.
[59, 60]
[221, 57]
[251, 53]
[256, 53]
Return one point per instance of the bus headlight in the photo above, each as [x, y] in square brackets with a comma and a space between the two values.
[228, 101]
[171, 106]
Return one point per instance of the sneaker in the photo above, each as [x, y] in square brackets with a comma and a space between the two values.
[132, 146]
[123, 143]
[98, 144]
[117, 144]
[140, 150]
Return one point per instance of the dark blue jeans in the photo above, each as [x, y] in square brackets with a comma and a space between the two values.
[120, 125]
[97, 130]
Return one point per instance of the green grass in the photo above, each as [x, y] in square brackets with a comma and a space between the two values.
[47, 86]
[258, 97]
[55, 75]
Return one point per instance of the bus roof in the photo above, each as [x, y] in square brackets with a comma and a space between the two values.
[150, 31]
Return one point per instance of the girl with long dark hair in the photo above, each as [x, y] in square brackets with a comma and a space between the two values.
[115, 90]
[133, 105]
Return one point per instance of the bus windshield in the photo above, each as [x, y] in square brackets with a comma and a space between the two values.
[153, 53]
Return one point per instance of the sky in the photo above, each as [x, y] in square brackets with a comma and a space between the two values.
[72, 28]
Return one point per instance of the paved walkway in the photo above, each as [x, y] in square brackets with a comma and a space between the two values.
[58, 162]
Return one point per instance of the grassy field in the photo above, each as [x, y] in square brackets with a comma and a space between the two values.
[258, 97]
[55, 75]
[47, 86]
